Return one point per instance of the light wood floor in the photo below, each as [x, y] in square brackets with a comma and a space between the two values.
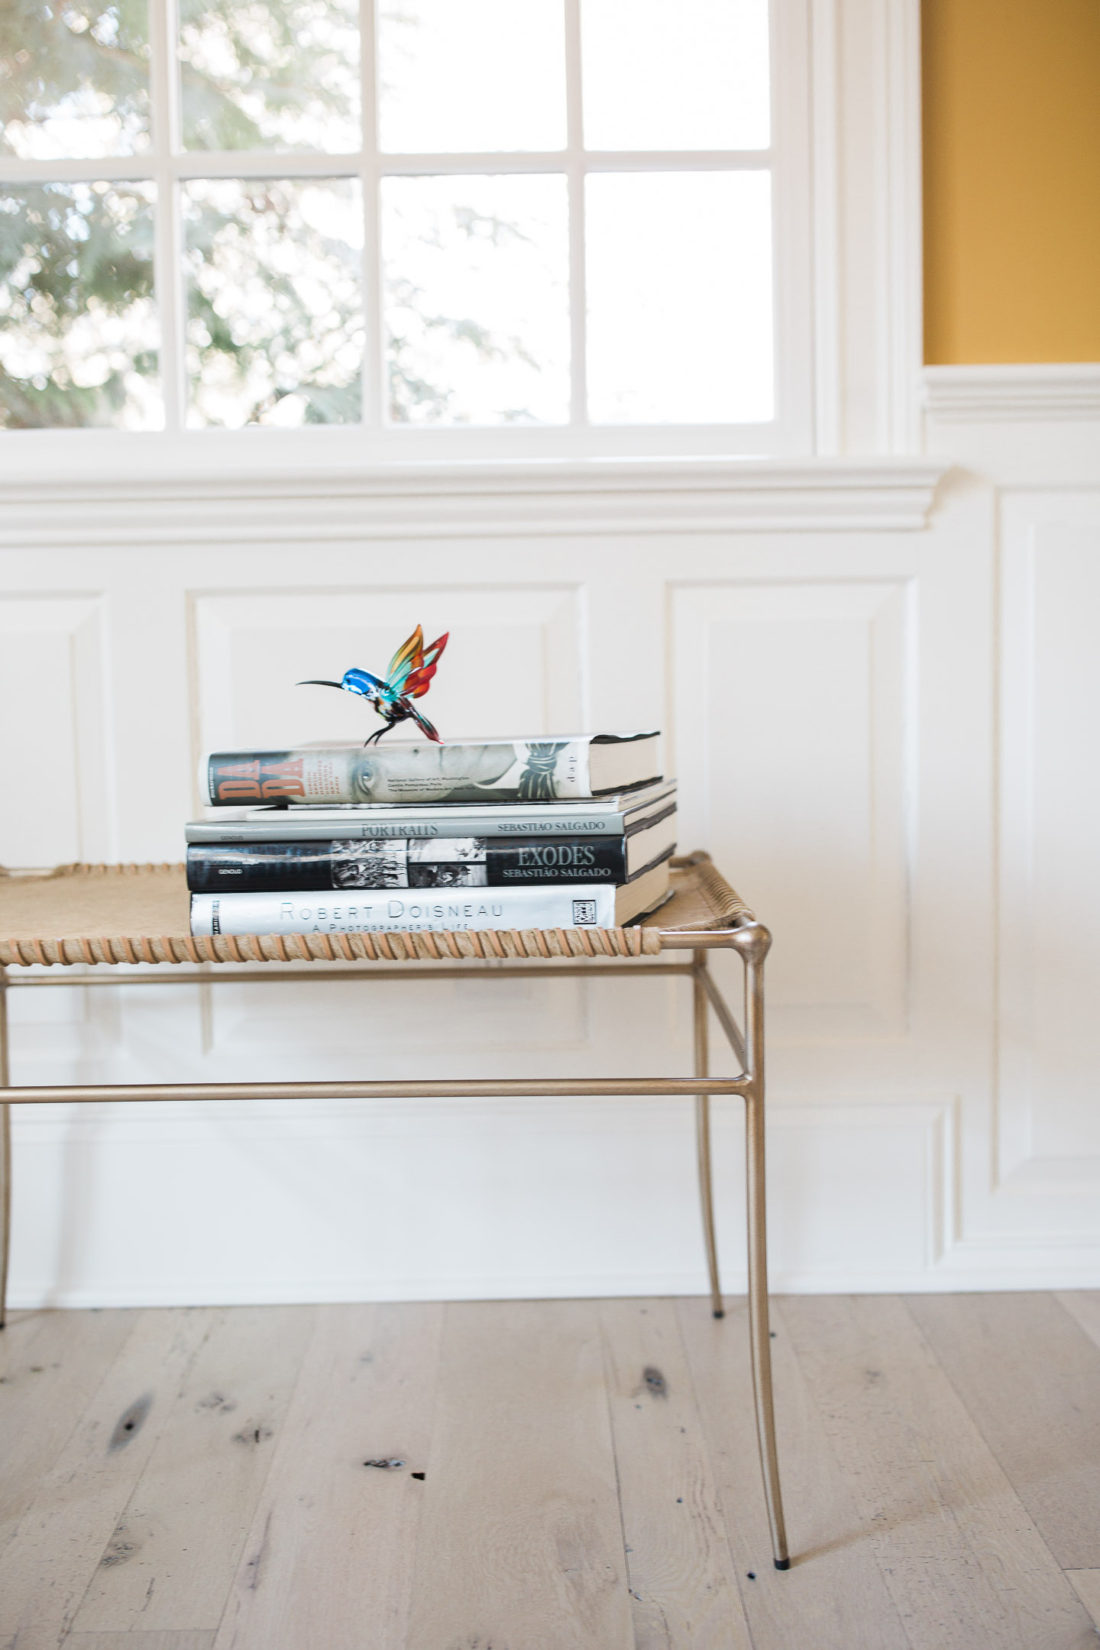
[559, 1475]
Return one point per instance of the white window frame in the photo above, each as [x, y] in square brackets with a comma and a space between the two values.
[374, 443]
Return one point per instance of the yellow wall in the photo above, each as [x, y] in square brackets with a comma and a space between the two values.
[1011, 180]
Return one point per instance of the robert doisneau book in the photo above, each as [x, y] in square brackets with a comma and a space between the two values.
[571, 905]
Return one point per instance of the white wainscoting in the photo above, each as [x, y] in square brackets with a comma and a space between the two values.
[878, 688]
[1030, 1205]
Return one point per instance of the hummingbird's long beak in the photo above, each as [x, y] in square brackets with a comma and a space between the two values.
[315, 683]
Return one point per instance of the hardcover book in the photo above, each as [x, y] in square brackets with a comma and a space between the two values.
[572, 905]
[421, 862]
[616, 815]
[532, 770]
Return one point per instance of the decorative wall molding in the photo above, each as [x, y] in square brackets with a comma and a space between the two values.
[847, 751]
[1046, 1134]
[374, 1242]
[1012, 393]
[59, 642]
[455, 501]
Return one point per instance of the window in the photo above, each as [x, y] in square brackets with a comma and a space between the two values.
[444, 225]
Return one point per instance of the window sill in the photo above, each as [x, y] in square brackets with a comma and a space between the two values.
[341, 502]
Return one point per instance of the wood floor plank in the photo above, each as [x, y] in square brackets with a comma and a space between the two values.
[962, 1560]
[50, 1366]
[898, 1508]
[32, 1638]
[683, 1589]
[521, 1542]
[1030, 1377]
[328, 1559]
[139, 1641]
[48, 1638]
[174, 1552]
[1084, 1306]
[1086, 1584]
[53, 1552]
[834, 1596]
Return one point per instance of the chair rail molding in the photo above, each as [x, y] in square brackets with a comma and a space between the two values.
[447, 501]
[1016, 425]
[1016, 392]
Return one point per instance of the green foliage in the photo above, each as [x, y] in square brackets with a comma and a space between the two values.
[73, 256]
[78, 326]
[244, 237]
[263, 74]
[52, 53]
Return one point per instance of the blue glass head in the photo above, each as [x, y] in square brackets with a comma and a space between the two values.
[361, 681]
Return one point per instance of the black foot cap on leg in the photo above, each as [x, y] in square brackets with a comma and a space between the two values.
[782, 1563]
[720, 1313]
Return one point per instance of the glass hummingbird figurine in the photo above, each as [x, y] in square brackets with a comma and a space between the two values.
[408, 677]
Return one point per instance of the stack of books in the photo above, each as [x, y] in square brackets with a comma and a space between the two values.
[501, 833]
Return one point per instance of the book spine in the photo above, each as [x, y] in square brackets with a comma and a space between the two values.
[578, 905]
[519, 770]
[295, 824]
[382, 863]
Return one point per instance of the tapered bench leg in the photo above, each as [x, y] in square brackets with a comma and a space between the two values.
[702, 1134]
[5, 1152]
[759, 1325]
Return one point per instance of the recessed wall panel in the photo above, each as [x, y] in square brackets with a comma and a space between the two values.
[789, 703]
[54, 799]
[1049, 1123]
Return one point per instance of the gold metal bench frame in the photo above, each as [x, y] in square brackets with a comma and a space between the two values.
[741, 933]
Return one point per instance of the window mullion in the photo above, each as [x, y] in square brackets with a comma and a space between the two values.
[262, 163]
[107, 169]
[574, 167]
[167, 248]
[678, 160]
[270, 163]
[374, 399]
[460, 162]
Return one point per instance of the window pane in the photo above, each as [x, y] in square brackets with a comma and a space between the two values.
[693, 75]
[471, 75]
[270, 74]
[275, 314]
[74, 78]
[679, 297]
[476, 300]
[78, 326]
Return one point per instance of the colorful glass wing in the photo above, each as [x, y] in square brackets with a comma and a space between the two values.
[419, 680]
[407, 658]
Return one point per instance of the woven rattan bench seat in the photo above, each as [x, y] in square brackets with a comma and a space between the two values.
[138, 914]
